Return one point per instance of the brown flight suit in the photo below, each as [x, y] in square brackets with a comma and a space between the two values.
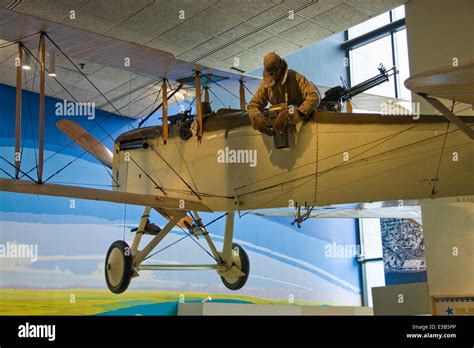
[301, 93]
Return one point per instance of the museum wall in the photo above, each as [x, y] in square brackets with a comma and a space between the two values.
[428, 23]
[449, 236]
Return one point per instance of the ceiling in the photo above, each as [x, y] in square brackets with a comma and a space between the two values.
[214, 33]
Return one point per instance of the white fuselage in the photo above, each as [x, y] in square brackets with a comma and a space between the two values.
[334, 158]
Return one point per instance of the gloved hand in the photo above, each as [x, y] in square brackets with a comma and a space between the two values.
[285, 117]
[260, 123]
[281, 121]
[294, 115]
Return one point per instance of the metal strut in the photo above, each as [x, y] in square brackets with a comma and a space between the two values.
[449, 115]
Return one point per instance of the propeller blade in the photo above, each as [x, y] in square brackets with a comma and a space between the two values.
[86, 140]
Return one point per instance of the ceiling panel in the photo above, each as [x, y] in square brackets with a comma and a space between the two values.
[185, 36]
[88, 67]
[305, 33]
[213, 21]
[8, 75]
[274, 45]
[245, 9]
[285, 24]
[114, 75]
[87, 21]
[255, 39]
[237, 31]
[115, 10]
[312, 10]
[205, 47]
[165, 46]
[374, 7]
[126, 33]
[52, 10]
[102, 84]
[339, 18]
[151, 23]
[251, 60]
[227, 52]
[8, 53]
[269, 15]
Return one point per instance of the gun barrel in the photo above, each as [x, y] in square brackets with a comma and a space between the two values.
[334, 97]
[370, 83]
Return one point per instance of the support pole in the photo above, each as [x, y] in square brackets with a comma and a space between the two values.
[243, 104]
[41, 109]
[198, 104]
[19, 64]
[228, 238]
[164, 118]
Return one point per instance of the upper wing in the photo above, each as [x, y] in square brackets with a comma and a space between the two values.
[10, 185]
[102, 49]
[452, 82]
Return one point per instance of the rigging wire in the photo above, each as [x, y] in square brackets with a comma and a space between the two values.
[225, 89]
[329, 170]
[7, 173]
[441, 154]
[82, 73]
[245, 86]
[187, 235]
[220, 101]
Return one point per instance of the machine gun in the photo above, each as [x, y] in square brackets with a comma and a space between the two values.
[335, 97]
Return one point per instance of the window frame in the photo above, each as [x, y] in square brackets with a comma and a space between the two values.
[386, 30]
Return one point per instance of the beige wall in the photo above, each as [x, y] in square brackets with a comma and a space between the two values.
[402, 299]
[438, 31]
[448, 223]
[210, 308]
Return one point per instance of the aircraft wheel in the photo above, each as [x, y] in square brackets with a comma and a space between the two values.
[241, 261]
[118, 267]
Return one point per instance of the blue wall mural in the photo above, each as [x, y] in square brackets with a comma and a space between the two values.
[72, 239]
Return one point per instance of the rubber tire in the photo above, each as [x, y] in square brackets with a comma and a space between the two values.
[128, 267]
[245, 267]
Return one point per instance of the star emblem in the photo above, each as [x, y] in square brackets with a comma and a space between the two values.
[449, 310]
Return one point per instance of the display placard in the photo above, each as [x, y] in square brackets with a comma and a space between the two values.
[452, 305]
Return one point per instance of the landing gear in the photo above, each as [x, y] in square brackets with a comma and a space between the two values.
[124, 262]
[118, 267]
[241, 261]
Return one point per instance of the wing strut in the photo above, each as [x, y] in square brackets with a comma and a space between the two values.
[41, 109]
[198, 104]
[449, 115]
[19, 66]
[243, 104]
[164, 123]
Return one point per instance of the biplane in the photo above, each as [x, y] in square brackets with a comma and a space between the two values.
[335, 158]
